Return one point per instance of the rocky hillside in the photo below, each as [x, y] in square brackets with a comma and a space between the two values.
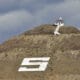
[49, 29]
[63, 50]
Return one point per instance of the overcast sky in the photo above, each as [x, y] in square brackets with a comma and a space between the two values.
[16, 16]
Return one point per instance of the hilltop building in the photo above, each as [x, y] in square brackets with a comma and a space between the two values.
[59, 23]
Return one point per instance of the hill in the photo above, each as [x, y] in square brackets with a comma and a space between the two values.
[63, 50]
[49, 29]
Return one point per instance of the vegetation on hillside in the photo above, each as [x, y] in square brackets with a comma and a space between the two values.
[49, 29]
[63, 50]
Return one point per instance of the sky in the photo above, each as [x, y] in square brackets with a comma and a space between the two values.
[17, 16]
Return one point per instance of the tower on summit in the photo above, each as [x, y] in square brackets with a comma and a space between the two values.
[59, 22]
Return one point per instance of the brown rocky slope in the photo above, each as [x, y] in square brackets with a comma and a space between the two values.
[63, 50]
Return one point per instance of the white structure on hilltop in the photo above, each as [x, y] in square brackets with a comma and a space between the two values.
[59, 23]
